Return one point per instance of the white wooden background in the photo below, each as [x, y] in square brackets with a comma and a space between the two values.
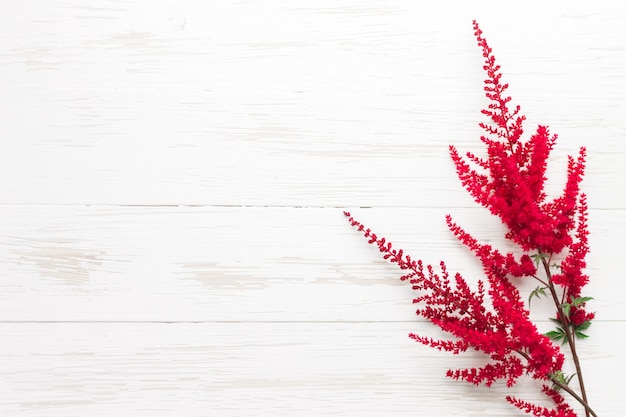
[173, 176]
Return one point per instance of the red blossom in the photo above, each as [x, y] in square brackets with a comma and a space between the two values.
[500, 326]
[510, 182]
[562, 408]
[493, 318]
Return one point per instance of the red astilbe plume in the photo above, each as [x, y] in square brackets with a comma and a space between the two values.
[510, 182]
[505, 334]
[493, 319]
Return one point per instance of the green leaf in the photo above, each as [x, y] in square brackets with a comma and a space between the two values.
[581, 335]
[566, 309]
[583, 326]
[538, 257]
[558, 334]
[559, 376]
[580, 300]
[569, 378]
[537, 292]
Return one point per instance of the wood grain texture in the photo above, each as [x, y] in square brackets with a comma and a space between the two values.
[242, 263]
[172, 177]
[260, 369]
[337, 103]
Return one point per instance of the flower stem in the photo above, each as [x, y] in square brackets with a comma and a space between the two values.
[566, 388]
[572, 345]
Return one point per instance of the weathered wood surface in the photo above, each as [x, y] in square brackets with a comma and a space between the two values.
[172, 177]
[240, 264]
[256, 369]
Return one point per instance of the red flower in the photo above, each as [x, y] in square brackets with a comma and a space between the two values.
[494, 319]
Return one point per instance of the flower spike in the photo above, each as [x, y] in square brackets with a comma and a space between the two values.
[494, 319]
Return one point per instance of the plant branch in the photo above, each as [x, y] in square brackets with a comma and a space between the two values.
[566, 388]
[565, 323]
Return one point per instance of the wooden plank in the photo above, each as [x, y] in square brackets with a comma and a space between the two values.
[153, 156]
[202, 263]
[332, 104]
[260, 369]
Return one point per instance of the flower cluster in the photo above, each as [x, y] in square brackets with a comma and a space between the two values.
[510, 182]
[494, 319]
[499, 326]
